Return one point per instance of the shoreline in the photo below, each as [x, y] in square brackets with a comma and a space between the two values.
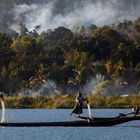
[68, 102]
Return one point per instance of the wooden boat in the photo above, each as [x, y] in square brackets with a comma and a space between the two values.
[97, 122]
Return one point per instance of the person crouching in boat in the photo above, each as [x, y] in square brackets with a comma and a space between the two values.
[135, 111]
[78, 109]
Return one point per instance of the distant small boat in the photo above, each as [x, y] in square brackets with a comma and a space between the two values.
[97, 122]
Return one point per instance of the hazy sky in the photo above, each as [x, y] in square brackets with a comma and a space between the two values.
[71, 13]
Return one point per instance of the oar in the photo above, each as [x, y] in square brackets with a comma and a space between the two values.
[89, 111]
[3, 119]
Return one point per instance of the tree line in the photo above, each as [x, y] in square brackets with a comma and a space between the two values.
[70, 58]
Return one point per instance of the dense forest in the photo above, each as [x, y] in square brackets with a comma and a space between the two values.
[70, 58]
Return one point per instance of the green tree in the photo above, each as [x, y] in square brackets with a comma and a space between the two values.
[25, 49]
[22, 30]
[79, 61]
[6, 54]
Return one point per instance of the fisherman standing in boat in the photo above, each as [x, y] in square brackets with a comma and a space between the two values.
[78, 109]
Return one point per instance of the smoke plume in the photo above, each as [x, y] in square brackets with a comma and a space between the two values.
[54, 13]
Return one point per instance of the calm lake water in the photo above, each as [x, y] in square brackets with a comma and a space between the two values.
[127, 131]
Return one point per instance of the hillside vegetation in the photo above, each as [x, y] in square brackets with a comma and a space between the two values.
[70, 58]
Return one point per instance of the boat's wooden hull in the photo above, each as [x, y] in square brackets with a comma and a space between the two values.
[102, 122]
